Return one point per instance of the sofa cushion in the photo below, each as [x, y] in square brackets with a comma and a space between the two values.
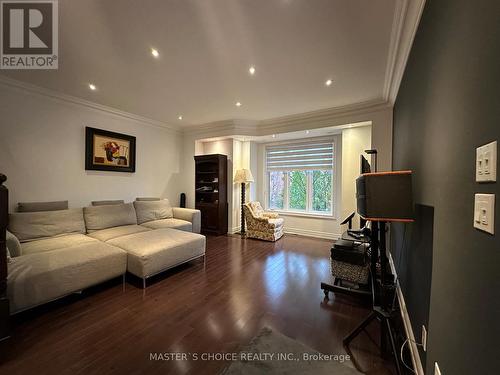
[102, 217]
[110, 233]
[28, 226]
[41, 277]
[147, 199]
[156, 250]
[153, 210]
[256, 208]
[169, 223]
[277, 223]
[13, 245]
[107, 203]
[42, 206]
[54, 243]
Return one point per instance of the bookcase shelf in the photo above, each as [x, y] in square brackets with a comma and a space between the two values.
[211, 173]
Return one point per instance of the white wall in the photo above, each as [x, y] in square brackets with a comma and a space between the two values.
[42, 152]
[245, 156]
[254, 168]
[354, 142]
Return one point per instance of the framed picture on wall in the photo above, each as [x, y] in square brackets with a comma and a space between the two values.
[109, 151]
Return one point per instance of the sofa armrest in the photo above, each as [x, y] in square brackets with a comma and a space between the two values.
[270, 215]
[188, 214]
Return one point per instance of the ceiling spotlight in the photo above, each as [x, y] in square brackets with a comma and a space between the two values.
[180, 117]
[155, 52]
[92, 87]
[251, 70]
[238, 104]
[274, 135]
[307, 131]
[328, 82]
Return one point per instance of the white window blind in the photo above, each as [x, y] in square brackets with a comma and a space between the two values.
[312, 155]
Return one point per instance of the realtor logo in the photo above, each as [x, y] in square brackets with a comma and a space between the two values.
[29, 37]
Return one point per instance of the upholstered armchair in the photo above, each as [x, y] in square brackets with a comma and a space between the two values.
[262, 225]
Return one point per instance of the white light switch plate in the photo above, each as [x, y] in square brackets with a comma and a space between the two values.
[484, 212]
[486, 163]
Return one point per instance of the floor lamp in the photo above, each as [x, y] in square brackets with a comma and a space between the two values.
[243, 176]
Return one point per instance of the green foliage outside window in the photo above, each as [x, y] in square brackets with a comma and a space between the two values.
[317, 183]
[298, 190]
[277, 190]
[322, 191]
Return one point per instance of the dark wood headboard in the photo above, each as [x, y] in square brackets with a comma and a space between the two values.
[4, 217]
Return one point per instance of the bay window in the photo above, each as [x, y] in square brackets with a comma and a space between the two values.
[301, 177]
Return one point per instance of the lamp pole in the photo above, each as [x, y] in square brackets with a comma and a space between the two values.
[243, 176]
[243, 186]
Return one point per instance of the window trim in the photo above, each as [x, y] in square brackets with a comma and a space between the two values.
[336, 183]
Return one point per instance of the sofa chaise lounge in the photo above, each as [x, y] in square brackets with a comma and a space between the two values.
[56, 253]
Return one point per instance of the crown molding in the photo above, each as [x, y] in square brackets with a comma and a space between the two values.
[223, 126]
[33, 89]
[314, 119]
[322, 118]
[407, 16]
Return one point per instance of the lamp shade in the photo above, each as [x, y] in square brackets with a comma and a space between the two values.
[243, 176]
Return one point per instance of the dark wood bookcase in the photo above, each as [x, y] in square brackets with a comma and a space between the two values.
[211, 192]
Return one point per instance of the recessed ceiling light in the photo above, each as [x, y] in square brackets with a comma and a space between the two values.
[307, 131]
[92, 87]
[328, 82]
[274, 135]
[238, 104]
[251, 70]
[180, 117]
[155, 52]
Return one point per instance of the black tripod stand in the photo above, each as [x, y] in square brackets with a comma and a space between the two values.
[383, 290]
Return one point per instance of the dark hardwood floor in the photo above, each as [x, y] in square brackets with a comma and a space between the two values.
[212, 306]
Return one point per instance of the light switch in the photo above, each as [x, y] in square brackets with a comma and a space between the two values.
[486, 163]
[484, 212]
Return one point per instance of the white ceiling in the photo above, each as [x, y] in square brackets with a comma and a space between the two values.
[206, 48]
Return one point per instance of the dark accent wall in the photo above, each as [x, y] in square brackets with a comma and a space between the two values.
[449, 104]
[412, 246]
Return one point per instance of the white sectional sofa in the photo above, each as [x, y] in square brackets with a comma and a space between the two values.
[64, 251]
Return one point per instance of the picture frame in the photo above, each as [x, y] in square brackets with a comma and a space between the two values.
[109, 151]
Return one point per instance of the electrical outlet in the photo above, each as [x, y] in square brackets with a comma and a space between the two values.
[486, 163]
[424, 338]
[437, 371]
[484, 212]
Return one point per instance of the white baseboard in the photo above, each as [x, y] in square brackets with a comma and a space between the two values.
[312, 233]
[415, 356]
[301, 232]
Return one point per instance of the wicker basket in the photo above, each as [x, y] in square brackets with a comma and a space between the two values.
[350, 272]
